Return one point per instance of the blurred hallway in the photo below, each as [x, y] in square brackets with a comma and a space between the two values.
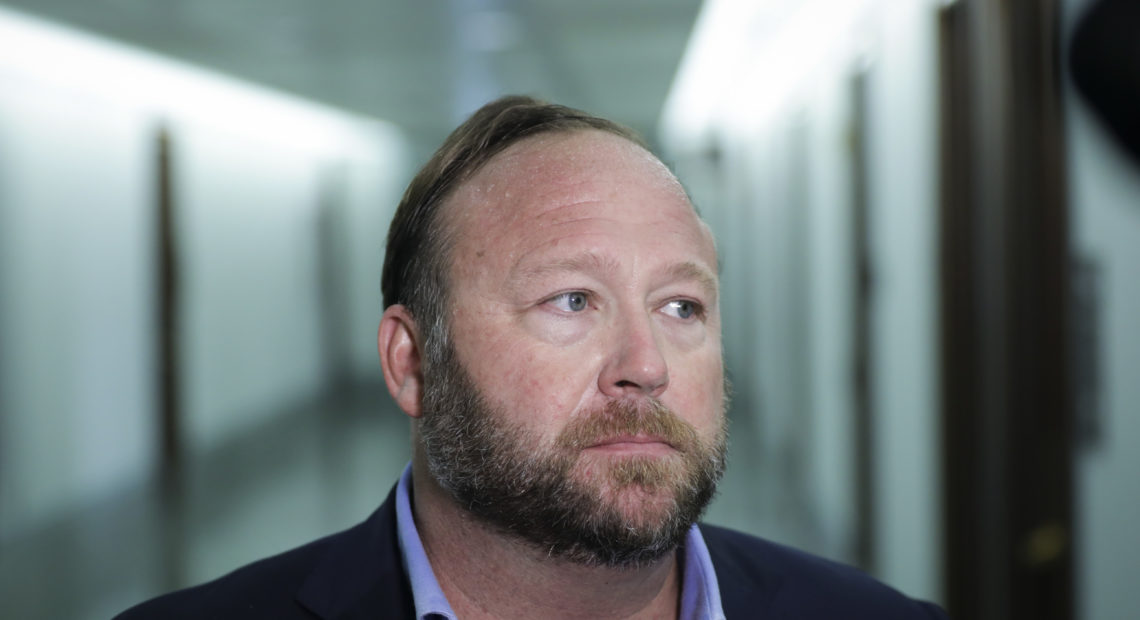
[929, 244]
[311, 471]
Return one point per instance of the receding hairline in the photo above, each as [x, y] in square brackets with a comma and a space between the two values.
[446, 220]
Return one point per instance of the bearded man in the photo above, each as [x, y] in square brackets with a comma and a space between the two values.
[552, 328]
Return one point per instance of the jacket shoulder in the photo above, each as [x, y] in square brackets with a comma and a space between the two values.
[756, 574]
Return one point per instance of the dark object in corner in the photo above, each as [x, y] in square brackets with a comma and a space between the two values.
[1105, 62]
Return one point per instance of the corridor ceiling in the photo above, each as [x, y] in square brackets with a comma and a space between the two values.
[419, 64]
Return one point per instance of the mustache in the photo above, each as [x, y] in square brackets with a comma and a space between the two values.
[626, 417]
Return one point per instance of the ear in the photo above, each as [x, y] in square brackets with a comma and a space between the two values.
[399, 344]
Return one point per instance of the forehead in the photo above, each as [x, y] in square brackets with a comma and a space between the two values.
[558, 158]
[557, 177]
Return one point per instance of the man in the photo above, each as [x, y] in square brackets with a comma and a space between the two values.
[552, 329]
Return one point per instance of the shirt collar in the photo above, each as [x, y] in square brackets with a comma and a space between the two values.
[429, 600]
[700, 593]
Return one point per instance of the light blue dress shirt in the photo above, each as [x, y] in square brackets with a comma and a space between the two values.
[700, 595]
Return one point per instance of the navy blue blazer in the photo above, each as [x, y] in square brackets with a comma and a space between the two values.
[358, 573]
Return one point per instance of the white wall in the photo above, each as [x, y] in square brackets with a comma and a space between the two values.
[904, 202]
[76, 363]
[831, 307]
[248, 254]
[1104, 195]
[79, 118]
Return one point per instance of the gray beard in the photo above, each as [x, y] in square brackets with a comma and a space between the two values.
[504, 475]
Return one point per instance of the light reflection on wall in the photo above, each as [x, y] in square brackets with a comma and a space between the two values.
[254, 172]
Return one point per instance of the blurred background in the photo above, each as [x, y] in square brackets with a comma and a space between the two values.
[928, 215]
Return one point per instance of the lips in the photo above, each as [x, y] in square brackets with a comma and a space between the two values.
[633, 444]
[630, 439]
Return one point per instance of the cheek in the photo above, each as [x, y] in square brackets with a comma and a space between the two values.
[699, 392]
[526, 379]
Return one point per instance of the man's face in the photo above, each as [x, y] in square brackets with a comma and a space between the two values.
[580, 406]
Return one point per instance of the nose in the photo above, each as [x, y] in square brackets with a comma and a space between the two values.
[636, 365]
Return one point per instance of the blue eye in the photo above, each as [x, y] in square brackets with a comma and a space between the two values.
[683, 308]
[575, 301]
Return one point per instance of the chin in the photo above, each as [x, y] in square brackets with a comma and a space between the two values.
[642, 508]
[642, 488]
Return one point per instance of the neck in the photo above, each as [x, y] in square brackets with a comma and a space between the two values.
[485, 574]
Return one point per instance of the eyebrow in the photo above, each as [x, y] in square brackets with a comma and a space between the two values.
[689, 270]
[593, 263]
[588, 262]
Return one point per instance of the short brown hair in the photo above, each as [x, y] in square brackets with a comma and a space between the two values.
[416, 260]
